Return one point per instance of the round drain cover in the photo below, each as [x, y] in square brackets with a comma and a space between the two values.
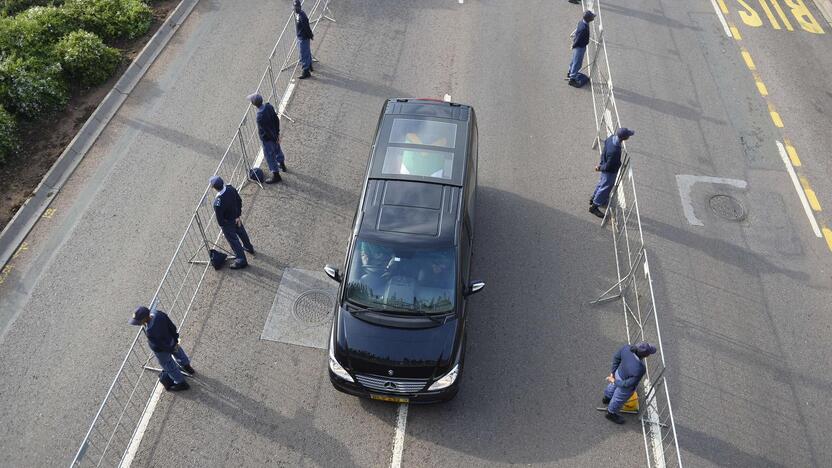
[727, 207]
[313, 306]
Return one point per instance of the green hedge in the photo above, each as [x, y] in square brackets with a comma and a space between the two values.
[31, 88]
[12, 7]
[46, 45]
[85, 57]
[112, 19]
[8, 134]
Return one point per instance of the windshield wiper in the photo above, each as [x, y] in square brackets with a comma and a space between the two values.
[358, 307]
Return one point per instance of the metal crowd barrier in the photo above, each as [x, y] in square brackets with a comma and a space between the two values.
[635, 285]
[123, 408]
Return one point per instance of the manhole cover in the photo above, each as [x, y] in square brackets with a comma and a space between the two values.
[313, 306]
[727, 207]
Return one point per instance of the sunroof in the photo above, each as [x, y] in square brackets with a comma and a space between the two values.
[418, 162]
[423, 132]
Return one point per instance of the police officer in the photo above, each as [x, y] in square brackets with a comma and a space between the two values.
[305, 36]
[268, 128]
[627, 370]
[163, 339]
[608, 167]
[580, 39]
[228, 207]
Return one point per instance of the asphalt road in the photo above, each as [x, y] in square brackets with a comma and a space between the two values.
[743, 304]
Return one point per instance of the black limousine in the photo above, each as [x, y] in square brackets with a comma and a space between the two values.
[399, 328]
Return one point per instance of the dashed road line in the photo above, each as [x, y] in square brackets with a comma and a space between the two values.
[827, 234]
[799, 189]
[810, 194]
[749, 62]
[791, 152]
[775, 116]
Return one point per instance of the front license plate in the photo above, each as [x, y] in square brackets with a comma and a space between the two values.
[392, 399]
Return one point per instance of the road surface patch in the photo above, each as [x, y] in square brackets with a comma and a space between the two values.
[302, 310]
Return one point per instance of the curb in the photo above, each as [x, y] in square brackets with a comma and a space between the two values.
[825, 7]
[32, 209]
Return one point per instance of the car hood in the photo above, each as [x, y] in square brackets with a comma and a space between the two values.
[369, 348]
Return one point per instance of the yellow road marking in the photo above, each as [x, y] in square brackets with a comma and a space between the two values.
[810, 194]
[761, 87]
[49, 213]
[722, 6]
[747, 57]
[775, 116]
[782, 15]
[792, 153]
[7, 270]
[827, 234]
[769, 14]
[23, 247]
[734, 31]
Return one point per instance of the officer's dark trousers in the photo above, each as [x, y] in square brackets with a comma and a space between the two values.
[601, 195]
[305, 51]
[234, 234]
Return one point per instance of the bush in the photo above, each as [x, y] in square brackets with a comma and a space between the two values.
[85, 58]
[12, 7]
[8, 135]
[33, 32]
[112, 19]
[30, 87]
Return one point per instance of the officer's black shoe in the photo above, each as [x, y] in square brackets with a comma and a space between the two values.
[594, 210]
[305, 75]
[575, 1]
[275, 178]
[179, 387]
[238, 265]
[282, 166]
[605, 400]
[614, 418]
[187, 369]
[574, 82]
[311, 68]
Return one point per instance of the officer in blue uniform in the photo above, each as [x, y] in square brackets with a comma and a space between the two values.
[305, 36]
[268, 128]
[627, 370]
[608, 167]
[580, 39]
[163, 340]
[228, 207]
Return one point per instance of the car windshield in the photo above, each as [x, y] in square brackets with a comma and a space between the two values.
[402, 279]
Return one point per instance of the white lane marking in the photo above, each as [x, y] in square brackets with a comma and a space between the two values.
[800, 193]
[281, 108]
[721, 19]
[461, 2]
[685, 182]
[447, 98]
[142, 427]
[398, 439]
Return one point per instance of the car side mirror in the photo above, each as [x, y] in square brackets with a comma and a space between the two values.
[333, 272]
[475, 287]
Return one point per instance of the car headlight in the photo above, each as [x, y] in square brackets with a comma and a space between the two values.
[336, 367]
[447, 380]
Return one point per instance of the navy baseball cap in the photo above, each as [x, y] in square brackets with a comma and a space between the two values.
[255, 99]
[589, 15]
[216, 182]
[624, 133]
[645, 349]
[140, 315]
